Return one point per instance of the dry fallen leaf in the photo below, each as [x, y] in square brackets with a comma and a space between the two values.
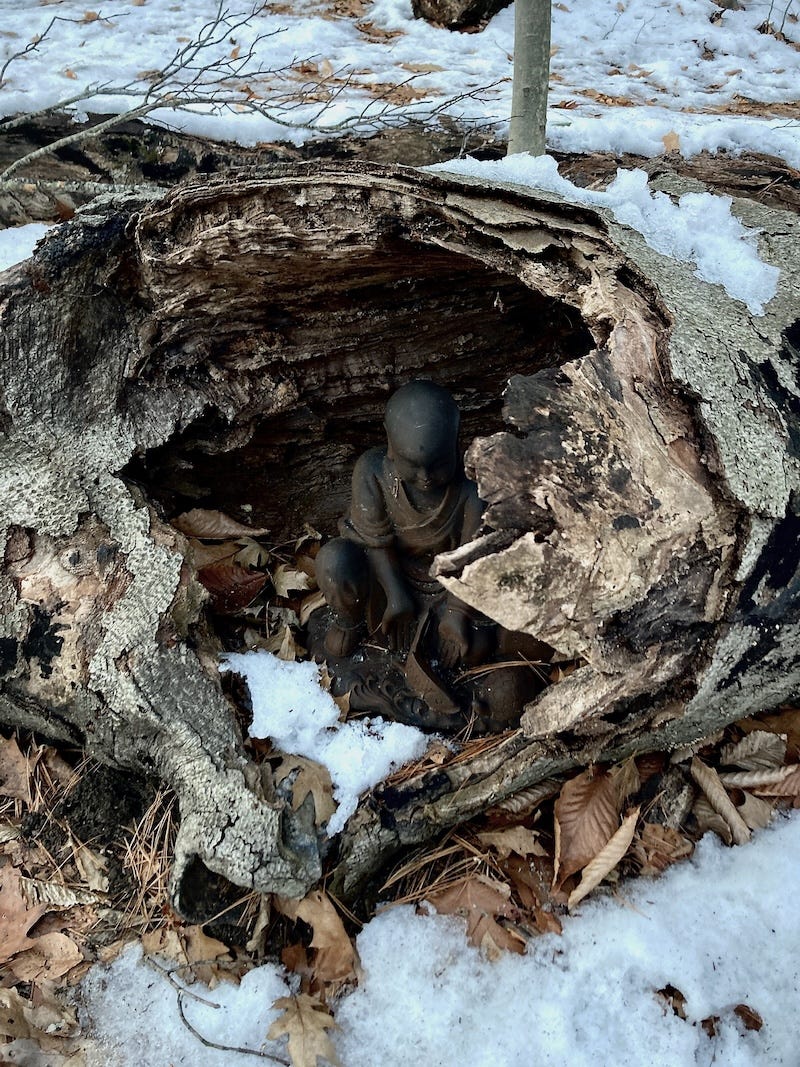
[287, 578]
[586, 817]
[336, 959]
[756, 812]
[785, 722]
[92, 867]
[284, 645]
[377, 33]
[310, 604]
[481, 900]
[759, 750]
[707, 819]
[15, 771]
[231, 587]
[789, 786]
[672, 142]
[517, 839]
[660, 846]
[18, 916]
[20, 1019]
[304, 1021]
[709, 781]
[606, 860]
[213, 525]
[308, 777]
[252, 554]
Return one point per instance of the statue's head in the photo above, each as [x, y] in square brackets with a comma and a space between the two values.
[422, 422]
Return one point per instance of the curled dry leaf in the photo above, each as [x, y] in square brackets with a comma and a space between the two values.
[626, 778]
[305, 1021]
[310, 604]
[213, 525]
[788, 786]
[308, 777]
[336, 959]
[759, 750]
[708, 780]
[749, 1017]
[752, 779]
[286, 578]
[38, 891]
[586, 817]
[231, 587]
[606, 860]
[91, 865]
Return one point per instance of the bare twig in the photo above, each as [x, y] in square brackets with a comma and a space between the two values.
[197, 78]
[271, 1058]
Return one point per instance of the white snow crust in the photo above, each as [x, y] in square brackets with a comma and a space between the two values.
[721, 928]
[291, 708]
[698, 229]
[17, 243]
[623, 74]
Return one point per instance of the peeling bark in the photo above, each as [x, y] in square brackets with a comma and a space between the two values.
[232, 343]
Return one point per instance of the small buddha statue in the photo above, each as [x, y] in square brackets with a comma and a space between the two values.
[410, 501]
[395, 640]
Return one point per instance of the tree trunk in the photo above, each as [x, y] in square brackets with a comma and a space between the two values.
[531, 76]
[231, 344]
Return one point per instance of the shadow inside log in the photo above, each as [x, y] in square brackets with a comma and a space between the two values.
[363, 329]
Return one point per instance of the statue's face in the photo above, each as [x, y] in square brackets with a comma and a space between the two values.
[425, 473]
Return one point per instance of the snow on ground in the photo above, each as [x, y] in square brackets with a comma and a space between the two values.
[18, 243]
[624, 73]
[721, 928]
[291, 708]
[698, 229]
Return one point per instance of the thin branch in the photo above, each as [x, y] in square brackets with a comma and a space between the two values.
[227, 1048]
[33, 44]
[195, 79]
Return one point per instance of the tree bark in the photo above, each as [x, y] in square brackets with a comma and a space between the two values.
[531, 76]
[233, 342]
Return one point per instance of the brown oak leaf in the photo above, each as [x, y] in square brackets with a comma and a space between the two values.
[335, 958]
[481, 900]
[305, 1021]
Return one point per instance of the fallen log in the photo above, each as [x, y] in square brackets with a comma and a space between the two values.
[231, 345]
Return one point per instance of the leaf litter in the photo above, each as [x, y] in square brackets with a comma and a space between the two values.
[511, 874]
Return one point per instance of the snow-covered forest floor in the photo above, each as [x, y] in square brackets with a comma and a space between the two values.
[698, 965]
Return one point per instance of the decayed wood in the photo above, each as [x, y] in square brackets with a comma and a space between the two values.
[236, 340]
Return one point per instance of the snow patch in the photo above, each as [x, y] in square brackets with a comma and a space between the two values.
[18, 242]
[721, 928]
[698, 229]
[291, 708]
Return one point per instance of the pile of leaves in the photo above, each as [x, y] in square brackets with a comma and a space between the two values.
[263, 591]
[512, 874]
